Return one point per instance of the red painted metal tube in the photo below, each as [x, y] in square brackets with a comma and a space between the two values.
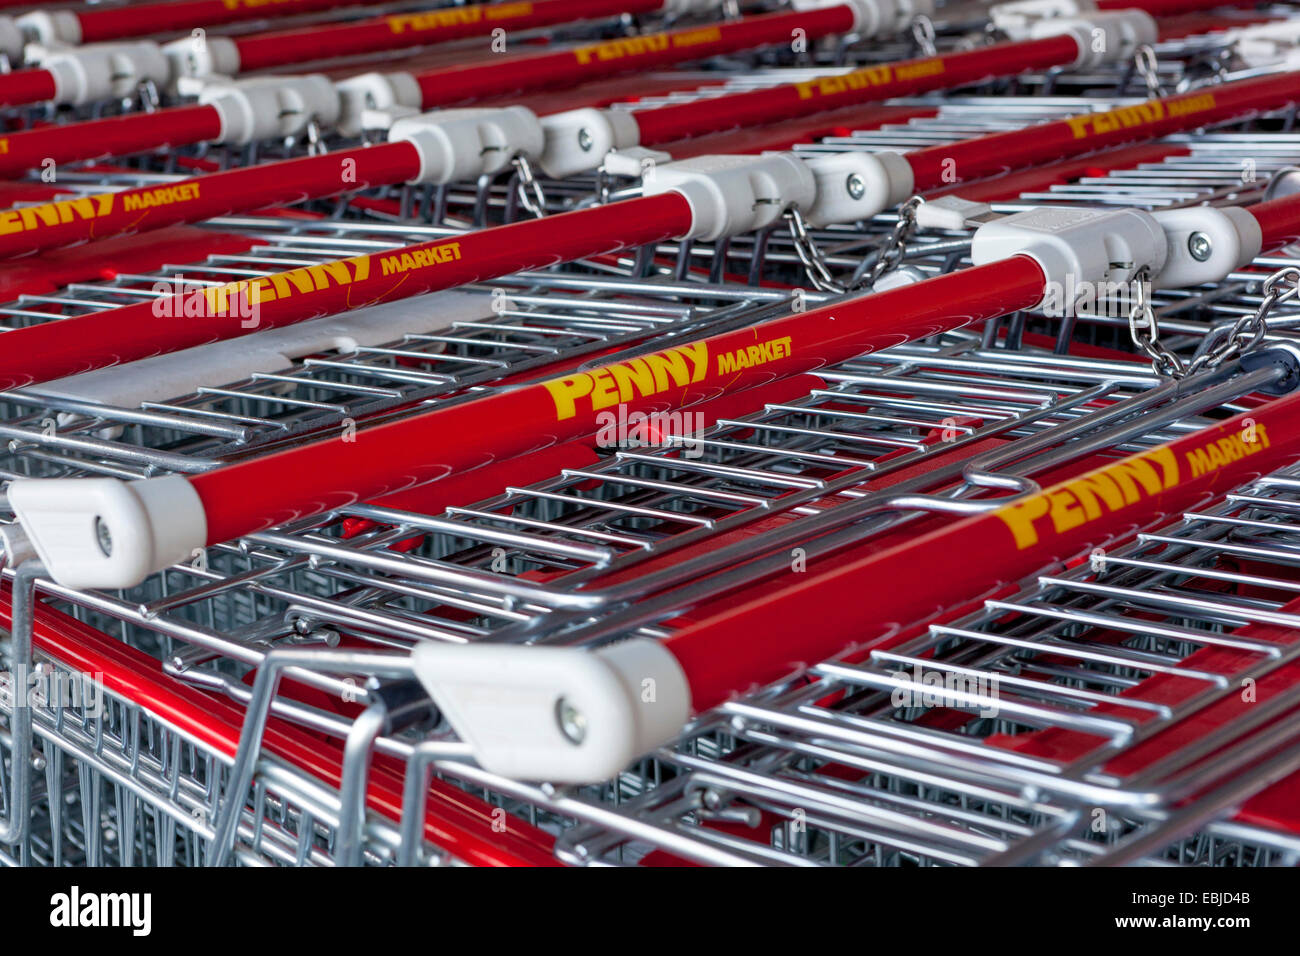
[141, 19]
[400, 31]
[26, 86]
[28, 229]
[763, 639]
[267, 491]
[99, 339]
[869, 84]
[1161, 8]
[192, 124]
[456, 84]
[866, 85]
[943, 167]
[983, 156]
[118, 136]
[1279, 221]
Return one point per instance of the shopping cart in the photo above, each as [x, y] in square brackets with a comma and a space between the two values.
[256, 704]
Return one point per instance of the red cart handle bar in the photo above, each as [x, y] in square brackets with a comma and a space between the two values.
[34, 228]
[231, 56]
[83, 343]
[234, 55]
[728, 651]
[139, 19]
[866, 85]
[562, 68]
[156, 522]
[501, 698]
[64, 28]
[180, 126]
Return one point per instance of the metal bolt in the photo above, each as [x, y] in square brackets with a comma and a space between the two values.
[1199, 245]
[103, 536]
[573, 722]
[584, 140]
[856, 186]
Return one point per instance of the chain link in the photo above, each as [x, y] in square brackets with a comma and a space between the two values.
[811, 256]
[531, 196]
[1147, 66]
[923, 35]
[1145, 328]
[1246, 334]
[1248, 331]
[891, 254]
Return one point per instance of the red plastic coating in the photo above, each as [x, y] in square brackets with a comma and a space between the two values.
[869, 84]
[389, 458]
[26, 86]
[99, 339]
[1161, 8]
[400, 31]
[141, 19]
[857, 600]
[937, 166]
[1279, 221]
[29, 229]
[584, 63]
[118, 136]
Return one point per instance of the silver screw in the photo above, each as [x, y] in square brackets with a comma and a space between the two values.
[1199, 245]
[584, 140]
[573, 722]
[103, 536]
[856, 186]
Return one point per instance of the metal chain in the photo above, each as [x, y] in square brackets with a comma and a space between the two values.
[531, 196]
[923, 35]
[891, 255]
[1147, 66]
[1245, 335]
[814, 262]
[1249, 330]
[1145, 329]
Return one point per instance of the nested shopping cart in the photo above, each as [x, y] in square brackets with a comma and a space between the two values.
[256, 703]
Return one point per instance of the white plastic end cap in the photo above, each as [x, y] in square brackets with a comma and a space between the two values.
[87, 74]
[456, 145]
[578, 141]
[1015, 18]
[12, 40]
[677, 8]
[951, 213]
[874, 18]
[270, 106]
[211, 56]
[729, 195]
[1206, 244]
[1275, 43]
[564, 715]
[1111, 36]
[634, 161]
[1083, 252]
[51, 27]
[857, 185]
[109, 533]
[374, 91]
